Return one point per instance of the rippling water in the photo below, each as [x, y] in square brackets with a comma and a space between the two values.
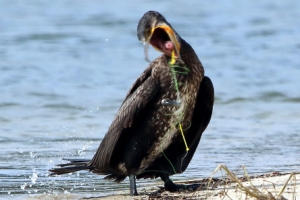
[66, 67]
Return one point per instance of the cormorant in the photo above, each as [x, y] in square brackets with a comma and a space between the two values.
[159, 125]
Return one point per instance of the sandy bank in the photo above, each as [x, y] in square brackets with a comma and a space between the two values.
[269, 186]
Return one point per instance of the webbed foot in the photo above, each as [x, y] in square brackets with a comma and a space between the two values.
[172, 187]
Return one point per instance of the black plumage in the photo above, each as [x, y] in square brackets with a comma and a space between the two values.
[144, 140]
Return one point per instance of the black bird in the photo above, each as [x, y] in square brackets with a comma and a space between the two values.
[159, 125]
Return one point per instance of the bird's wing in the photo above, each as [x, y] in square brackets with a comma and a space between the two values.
[139, 81]
[141, 93]
[201, 117]
[176, 153]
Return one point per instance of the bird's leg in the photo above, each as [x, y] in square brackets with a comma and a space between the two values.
[169, 185]
[133, 191]
[172, 187]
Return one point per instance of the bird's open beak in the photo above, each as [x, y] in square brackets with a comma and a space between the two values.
[158, 38]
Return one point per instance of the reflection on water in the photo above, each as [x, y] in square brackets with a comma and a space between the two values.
[66, 67]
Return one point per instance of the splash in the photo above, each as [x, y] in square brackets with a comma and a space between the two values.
[34, 177]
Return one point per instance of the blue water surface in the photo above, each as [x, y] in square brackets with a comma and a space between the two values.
[66, 66]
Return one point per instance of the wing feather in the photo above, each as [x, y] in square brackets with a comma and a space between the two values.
[141, 93]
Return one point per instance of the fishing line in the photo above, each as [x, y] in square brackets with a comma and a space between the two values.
[173, 67]
[169, 162]
[186, 146]
[172, 63]
[176, 69]
[186, 153]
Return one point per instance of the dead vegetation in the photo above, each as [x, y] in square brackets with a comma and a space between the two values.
[250, 190]
[232, 187]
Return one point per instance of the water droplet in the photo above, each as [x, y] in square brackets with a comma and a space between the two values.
[23, 186]
[33, 177]
[66, 192]
[80, 152]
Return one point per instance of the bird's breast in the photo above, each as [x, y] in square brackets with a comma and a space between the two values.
[167, 120]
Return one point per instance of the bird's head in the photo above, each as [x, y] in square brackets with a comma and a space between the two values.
[154, 29]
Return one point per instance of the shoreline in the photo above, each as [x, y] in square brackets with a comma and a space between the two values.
[266, 186]
[269, 186]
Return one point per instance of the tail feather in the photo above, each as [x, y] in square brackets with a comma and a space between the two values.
[73, 166]
[74, 162]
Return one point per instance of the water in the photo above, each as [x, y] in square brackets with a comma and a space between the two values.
[67, 65]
